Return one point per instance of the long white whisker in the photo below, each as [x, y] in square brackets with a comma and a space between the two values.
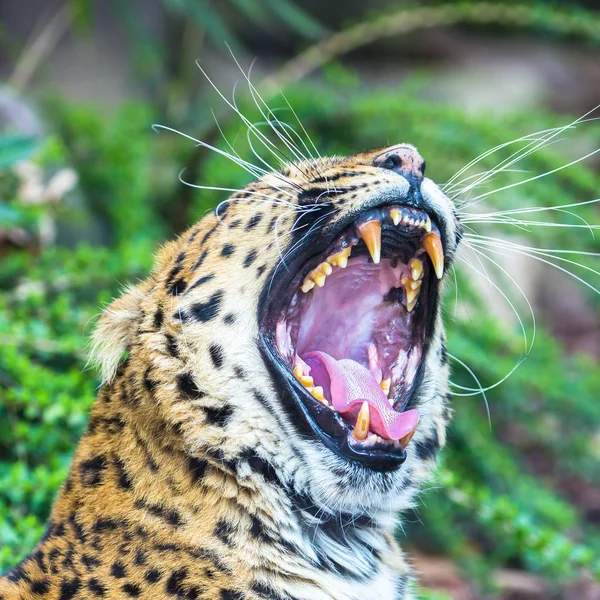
[527, 346]
[538, 254]
[269, 145]
[249, 167]
[540, 176]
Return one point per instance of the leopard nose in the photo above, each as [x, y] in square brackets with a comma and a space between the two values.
[404, 160]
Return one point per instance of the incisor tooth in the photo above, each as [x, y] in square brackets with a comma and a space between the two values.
[298, 372]
[396, 216]
[361, 429]
[416, 268]
[427, 225]
[432, 244]
[371, 234]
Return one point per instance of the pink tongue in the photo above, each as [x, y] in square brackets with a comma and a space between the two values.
[347, 384]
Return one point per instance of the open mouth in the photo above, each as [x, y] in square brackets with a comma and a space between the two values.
[348, 334]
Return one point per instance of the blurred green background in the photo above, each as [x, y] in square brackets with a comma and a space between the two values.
[88, 191]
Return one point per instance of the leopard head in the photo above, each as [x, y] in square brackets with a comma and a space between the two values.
[301, 325]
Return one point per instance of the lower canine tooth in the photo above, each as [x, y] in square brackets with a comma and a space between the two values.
[361, 429]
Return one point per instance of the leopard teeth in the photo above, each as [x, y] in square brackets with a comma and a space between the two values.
[412, 289]
[396, 216]
[318, 275]
[370, 232]
[308, 383]
[416, 268]
[432, 244]
[340, 259]
[361, 429]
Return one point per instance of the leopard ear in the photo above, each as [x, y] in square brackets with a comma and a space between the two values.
[115, 330]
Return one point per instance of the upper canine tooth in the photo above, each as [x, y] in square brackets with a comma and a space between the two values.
[361, 429]
[427, 226]
[416, 268]
[432, 244]
[396, 216]
[371, 234]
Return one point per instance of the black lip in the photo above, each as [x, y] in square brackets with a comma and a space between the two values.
[308, 416]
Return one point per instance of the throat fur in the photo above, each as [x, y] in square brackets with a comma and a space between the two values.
[138, 516]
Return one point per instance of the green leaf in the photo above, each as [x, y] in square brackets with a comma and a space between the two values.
[14, 148]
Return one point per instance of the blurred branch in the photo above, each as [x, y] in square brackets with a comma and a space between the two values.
[578, 22]
[39, 46]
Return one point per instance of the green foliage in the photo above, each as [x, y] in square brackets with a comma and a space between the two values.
[490, 506]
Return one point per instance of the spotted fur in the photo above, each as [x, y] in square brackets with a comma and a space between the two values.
[192, 481]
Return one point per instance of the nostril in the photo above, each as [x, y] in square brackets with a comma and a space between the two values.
[404, 160]
[394, 161]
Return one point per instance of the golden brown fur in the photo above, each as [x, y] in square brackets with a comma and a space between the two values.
[188, 482]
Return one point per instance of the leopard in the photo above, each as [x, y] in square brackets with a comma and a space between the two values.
[274, 396]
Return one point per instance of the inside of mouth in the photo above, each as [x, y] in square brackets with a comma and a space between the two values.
[359, 339]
